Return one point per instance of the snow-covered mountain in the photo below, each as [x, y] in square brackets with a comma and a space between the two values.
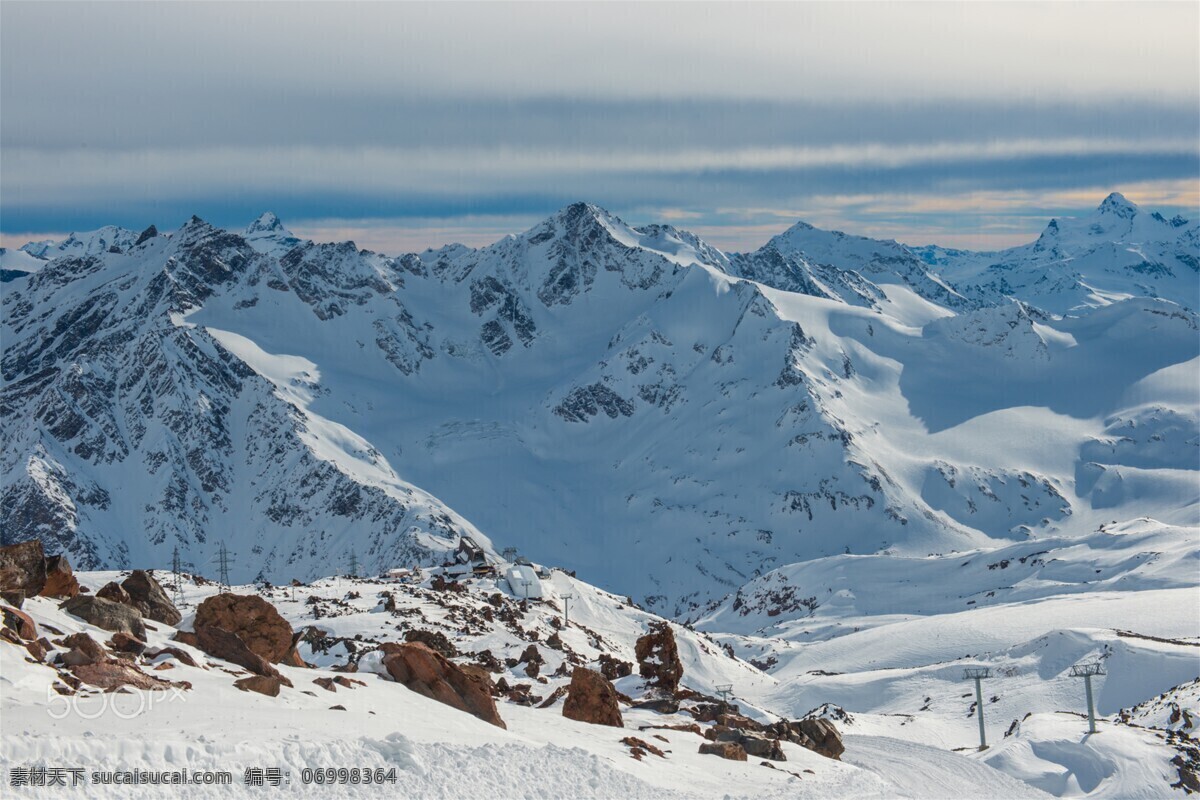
[631, 402]
[1117, 251]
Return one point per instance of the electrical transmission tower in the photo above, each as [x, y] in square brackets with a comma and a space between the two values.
[353, 564]
[177, 578]
[223, 567]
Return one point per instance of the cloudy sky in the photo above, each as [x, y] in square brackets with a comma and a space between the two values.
[407, 125]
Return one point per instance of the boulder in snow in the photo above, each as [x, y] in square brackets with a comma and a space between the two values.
[730, 750]
[106, 614]
[429, 673]
[252, 619]
[591, 698]
[148, 597]
[60, 579]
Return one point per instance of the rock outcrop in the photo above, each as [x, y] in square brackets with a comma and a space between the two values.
[429, 673]
[613, 668]
[60, 579]
[730, 750]
[754, 744]
[253, 620]
[19, 622]
[114, 592]
[112, 675]
[106, 614]
[658, 659]
[263, 684]
[83, 650]
[227, 645]
[592, 698]
[148, 597]
[816, 734]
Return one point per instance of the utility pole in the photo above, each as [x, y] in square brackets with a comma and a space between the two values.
[1086, 671]
[567, 598]
[977, 674]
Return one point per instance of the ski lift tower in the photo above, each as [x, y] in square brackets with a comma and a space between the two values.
[567, 598]
[726, 691]
[978, 674]
[1086, 671]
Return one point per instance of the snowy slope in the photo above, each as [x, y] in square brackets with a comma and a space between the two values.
[437, 751]
[886, 640]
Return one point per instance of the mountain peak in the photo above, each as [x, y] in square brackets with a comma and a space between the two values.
[1116, 203]
[268, 222]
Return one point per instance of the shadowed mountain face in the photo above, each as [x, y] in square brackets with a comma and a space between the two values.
[631, 402]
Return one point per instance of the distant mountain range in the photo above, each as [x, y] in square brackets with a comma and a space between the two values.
[672, 420]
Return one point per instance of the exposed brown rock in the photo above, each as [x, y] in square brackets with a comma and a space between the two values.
[554, 697]
[21, 623]
[60, 579]
[739, 722]
[174, 652]
[187, 637]
[112, 675]
[689, 727]
[709, 712]
[106, 614]
[15, 599]
[38, 649]
[125, 643]
[263, 684]
[753, 743]
[83, 649]
[664, 706]
[816, 734]
[252, 619]
[325, 683]
[229, 646]
[149, 598]
[293, 657]
[113, 591]
[429, 673]
[730, 750]
[349, 683]
[612, 668]
[825, 737]
[658, 658]
[635, 745]
[23, 568]
[591, 698]
[435, 639]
